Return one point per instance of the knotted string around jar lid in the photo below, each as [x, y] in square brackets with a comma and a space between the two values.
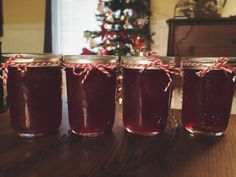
[22, 66]
[153, 60]
[169, 68]
[221, 64]
[102, 63]
[205, 65]
[87, 68]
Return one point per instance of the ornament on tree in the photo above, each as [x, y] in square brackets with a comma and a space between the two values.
[142, 21]
[92, 43]
[109, 17]
[139, 43]
[101, 7]
[126, 20]
[86, 51]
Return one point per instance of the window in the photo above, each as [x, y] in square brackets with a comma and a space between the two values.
[70, 18]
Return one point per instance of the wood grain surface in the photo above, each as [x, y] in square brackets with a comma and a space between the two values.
[117, 154]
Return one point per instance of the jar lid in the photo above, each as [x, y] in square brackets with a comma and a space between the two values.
[137, 62]
[31, 59]
[90, 59]
[202, 62]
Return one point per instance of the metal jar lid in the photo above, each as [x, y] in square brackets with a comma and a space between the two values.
[199, 63]
[137, 62]
[90, 59]
[42, 60]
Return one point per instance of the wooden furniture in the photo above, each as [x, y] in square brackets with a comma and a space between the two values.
[118, 154]
[202, 37]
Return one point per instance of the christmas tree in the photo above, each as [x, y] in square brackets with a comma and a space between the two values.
[124, 28]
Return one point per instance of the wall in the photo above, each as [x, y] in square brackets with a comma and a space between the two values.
[229, 9]
[161, 11]
[23, 25]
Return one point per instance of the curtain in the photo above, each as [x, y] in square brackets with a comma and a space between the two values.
[48, 27]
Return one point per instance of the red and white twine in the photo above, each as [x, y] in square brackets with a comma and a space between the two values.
[22, 67]
[5, 66]
[87, 68]
[155, 61]
[220, 64]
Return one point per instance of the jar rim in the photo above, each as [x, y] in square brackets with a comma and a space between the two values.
[202, 62]
[32, 57]
[90, 59]
[137, 62]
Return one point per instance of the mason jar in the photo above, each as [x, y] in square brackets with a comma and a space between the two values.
[207, 95]
[91, 88]
[146, 98]
[34, 93]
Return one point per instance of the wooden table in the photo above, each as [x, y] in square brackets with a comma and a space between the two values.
[119, 154]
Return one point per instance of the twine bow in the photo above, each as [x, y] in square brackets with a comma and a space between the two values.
[87, 68]
[221, 64]
[155, 61]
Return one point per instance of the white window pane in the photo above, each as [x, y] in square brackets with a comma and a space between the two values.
[70, 19]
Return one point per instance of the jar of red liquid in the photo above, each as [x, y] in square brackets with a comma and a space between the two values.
[91, 87]
[146, 98]
[34, 93]
[207, 95]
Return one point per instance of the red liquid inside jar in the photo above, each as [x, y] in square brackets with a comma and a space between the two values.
[91, 105]
[35, 100]
[145, 103]
[207, 102]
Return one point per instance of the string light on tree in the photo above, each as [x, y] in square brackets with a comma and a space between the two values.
[124, 28]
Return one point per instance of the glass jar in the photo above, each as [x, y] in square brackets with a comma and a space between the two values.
[145, 101]
[91, 87]
[207, 98]
[34, 93]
